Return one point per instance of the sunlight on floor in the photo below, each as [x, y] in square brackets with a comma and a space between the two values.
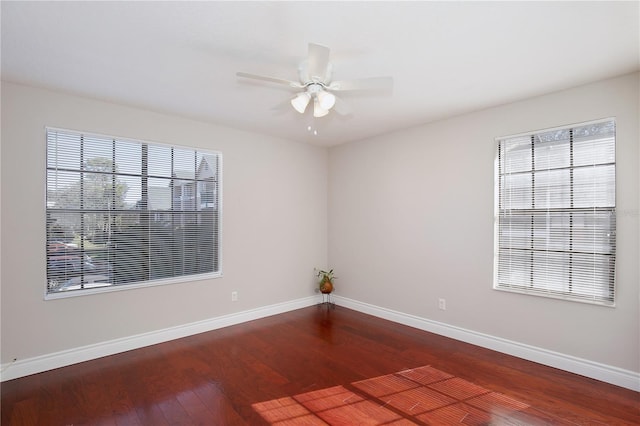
[422, 395]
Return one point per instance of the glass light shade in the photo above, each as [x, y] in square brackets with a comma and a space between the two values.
[327, 100]
[300, 102]
[318, 111]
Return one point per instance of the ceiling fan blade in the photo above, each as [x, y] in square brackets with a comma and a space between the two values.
[373, 83]
[281, 108]
[289, 83]
[318, 62]
[341, 107]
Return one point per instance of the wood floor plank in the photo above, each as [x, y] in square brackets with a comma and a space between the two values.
[313, 366]
[217, 403]
[24, 412]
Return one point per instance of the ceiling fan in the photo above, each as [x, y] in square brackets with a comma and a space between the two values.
[315, 83]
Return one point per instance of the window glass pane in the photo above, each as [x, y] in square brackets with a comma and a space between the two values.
[593, 232]
[594, 144]
[551, 231]
[159, 162]
[552, 189]
[551, 150]
[554, 137]
[207, 166]
[184, 195]
[514, 268]
[551, 271]
[207, 194]
[207, 187]
[101, 191]
[97, 154]
[63, 189]
[594, 186]
[515, 231]
[159, 194]
[184, 166]
[131, 254]
[128, 158]
[130, 192]
[589, 270]
[516, 191]
[63, 151]
[516, 155]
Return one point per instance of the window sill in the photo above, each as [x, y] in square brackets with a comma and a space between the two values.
[558, 296]
[123, 287]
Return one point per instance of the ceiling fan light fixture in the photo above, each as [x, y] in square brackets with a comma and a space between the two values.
[327, 100]
[318, 111]
[300, 102]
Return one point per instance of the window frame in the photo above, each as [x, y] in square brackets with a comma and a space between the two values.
[540, 292]
[217, 230]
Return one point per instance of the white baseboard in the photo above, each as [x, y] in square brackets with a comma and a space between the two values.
[617, 376]
[21, 368]
[606, 373]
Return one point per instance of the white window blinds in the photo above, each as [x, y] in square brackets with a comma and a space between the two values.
[122, 212]
[556, 221]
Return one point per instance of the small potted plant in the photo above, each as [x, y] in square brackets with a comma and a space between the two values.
[326, 281]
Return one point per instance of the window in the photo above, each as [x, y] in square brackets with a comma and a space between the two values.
[555, 213]
[123, 213]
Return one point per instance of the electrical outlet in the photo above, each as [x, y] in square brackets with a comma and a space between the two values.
[442, 304]
[234, 296]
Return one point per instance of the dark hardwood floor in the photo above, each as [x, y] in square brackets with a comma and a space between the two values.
[314, 366]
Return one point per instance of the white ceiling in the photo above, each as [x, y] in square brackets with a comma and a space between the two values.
[446, 58]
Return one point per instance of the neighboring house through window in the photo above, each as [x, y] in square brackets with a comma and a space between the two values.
[555, 213]
[128, 213]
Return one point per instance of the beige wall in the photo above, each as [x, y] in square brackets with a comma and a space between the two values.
[274, 226]
[411, 220]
